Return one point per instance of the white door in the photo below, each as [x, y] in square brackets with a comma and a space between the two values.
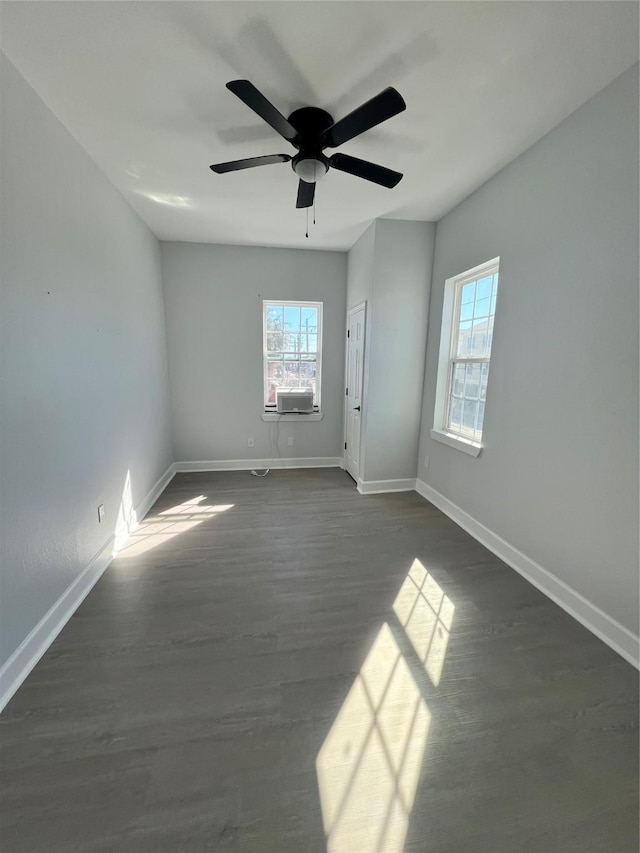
[355, 367]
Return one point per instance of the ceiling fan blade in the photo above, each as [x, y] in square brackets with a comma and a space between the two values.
[383, 106]
[257, 102]
[249, 163]
[364, 169]
[306, 192]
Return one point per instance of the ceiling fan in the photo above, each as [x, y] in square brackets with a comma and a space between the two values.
[311, 130]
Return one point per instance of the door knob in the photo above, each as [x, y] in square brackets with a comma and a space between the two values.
[356, 408]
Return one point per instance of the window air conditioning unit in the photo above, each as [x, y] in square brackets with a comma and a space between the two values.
[297, 402]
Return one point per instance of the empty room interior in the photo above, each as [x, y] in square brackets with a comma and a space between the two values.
[319, 427]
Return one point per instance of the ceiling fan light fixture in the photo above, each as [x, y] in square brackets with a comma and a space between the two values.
[310, 169]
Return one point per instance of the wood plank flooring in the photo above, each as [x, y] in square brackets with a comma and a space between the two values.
[281, 665]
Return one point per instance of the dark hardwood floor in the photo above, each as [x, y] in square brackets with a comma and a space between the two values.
[281, 665]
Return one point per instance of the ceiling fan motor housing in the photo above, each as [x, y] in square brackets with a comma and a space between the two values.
[310, 122]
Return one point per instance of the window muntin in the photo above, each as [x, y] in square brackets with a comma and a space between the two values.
[292, 348]
[474, 305]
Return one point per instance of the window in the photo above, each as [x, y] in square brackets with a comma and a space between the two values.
[292, 349]
[465, 353]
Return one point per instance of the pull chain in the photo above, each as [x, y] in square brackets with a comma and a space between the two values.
[315, 167]
[315, 187]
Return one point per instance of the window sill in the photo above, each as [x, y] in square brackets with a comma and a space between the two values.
[273, 416]
[456, 442]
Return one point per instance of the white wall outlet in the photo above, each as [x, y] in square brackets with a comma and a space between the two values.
[100, 513]
[290, 441]
[426, 461]
[250, 442]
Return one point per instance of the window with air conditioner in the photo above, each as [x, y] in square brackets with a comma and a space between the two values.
[292, 355]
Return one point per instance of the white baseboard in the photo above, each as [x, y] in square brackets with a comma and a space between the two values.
[609, 630]
[36, 643]
[378, 487]
[143, 507]
[259, 464]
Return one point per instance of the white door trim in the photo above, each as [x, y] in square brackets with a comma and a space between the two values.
[361, 306]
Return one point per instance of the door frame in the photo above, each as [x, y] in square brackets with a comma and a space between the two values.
[360, 306]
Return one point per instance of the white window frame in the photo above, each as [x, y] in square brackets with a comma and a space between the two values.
[269, 410]
[448, 358]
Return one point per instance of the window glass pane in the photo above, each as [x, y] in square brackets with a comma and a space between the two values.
[308, 357]
[291, 356]
[468, 293]
[457, 386]
[274, 380]
[308, 370]
[309, 320]
[291, 373]
[466, 311]
[479, 344]
[274, 370]
[482, 307]
[274, 341]
[480, 417]
[308, 342]
[292, 343]
[464, 338]
[292, 319]
[274, 318]
[484, 375]
[472, 381]
[469, 414]
[455, 417]
[484, 288]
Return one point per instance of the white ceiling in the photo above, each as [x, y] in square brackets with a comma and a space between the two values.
[141, 85]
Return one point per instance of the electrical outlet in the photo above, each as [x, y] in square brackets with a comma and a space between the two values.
[100, 513]
[290, 441]
[250, 442]
[426, 461]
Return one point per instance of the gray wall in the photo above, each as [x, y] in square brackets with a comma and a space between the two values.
[390, 267]
[403, 260]
[360, 278]
[214, 322]
[558, 475]
[360, 268]
[84, 393]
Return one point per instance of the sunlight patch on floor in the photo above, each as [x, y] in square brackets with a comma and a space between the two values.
[196, 505]
[157, 529]
[369, 764]
[426, 614]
